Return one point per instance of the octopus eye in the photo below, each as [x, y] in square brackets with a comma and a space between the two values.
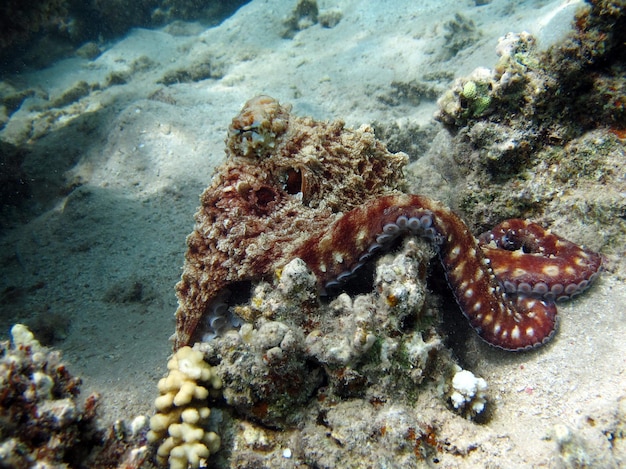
[293, 181]
[514, 240]
[511, 242]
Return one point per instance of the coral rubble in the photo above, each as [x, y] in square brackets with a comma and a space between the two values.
[350, 370]
[293, 343]
[42, 423]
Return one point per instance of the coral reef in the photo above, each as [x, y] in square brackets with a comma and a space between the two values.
[542, 134]
[210, 12]
[19, 20]
[461, 33]
[305, 366]
[41, 421]
[292, 343]
[52, 27]
[182, 412]
[297, 215]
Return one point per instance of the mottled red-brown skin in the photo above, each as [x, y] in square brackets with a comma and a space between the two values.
[285, 180]
[290, 191]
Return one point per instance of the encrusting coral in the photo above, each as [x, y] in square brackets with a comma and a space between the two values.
[182, 412]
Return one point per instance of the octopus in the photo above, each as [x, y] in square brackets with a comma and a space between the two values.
[293, 187]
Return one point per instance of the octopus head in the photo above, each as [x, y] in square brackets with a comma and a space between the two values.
[254, 132]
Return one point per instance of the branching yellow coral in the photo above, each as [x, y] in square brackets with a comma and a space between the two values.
[182, 412]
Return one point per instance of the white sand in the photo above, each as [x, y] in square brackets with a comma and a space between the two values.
[110, 252]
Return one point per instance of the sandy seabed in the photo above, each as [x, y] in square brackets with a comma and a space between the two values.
[123, 165]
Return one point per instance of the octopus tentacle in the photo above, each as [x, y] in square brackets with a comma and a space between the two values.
[533, 261]
[508, 320]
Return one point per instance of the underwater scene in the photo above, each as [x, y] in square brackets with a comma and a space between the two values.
[312, 234]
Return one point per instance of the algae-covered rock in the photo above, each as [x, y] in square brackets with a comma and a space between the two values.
[541, 135]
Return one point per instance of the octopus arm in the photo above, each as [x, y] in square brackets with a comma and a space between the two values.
[509, 320]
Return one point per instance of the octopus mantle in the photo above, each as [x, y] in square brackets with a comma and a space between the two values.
[295, 188]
